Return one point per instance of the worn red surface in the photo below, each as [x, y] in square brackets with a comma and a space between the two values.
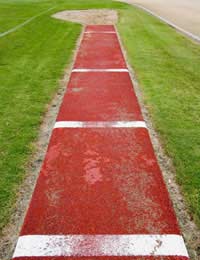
[100, 180]
[100, 96]
[100, 28]
[100, 51]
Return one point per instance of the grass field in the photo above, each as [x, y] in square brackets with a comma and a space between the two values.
[167, 66]
[33, 58]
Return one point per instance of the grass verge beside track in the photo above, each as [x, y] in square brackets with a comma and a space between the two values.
[33, 58]
[167, 66]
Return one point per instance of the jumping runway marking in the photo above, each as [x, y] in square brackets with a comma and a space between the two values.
[100, 70]
[100, 192]
[100, 245]
[91, 124]
[99, 32]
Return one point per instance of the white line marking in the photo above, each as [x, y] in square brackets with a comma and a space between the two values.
[100, 245]
[100, 32]
[91, 124]
[189, 34]
[100, 70]
[24, 23]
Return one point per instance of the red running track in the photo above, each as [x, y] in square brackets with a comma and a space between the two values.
[100, 193]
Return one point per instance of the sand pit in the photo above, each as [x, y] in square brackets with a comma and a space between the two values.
[92, 16]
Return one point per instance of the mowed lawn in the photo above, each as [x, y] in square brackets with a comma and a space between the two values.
[167, 66]
[33, 59]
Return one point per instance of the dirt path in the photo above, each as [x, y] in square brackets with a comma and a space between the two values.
[183, 13]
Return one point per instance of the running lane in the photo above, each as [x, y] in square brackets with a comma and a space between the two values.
[100, 193]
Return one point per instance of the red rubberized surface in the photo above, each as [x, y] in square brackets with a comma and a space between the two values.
[100, 96]
[100, 51]
[100, 28]
[100, 180]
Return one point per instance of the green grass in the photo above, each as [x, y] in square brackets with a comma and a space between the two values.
[33, 58]
[167, 66]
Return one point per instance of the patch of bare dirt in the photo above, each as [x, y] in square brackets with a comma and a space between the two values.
[92, 16]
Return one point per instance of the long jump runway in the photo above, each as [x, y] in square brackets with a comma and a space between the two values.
[100, 193]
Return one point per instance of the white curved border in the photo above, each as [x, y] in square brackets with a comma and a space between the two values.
[189, 34]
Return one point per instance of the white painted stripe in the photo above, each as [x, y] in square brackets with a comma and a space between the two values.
[112, 32]
[91, 124]
[100, 245]
[100, 70]
[24, 23]
[189, 34]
